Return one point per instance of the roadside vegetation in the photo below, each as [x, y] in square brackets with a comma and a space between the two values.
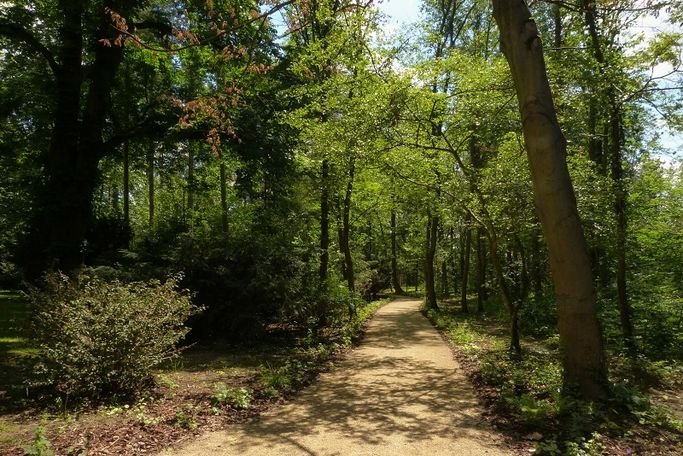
[524, 392]
[205, 387]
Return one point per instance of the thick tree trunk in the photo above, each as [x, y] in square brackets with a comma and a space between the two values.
[395, 282]
[430, 253]
[76, 145]
[583, 356]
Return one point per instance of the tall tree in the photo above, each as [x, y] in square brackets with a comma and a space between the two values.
[583, 357]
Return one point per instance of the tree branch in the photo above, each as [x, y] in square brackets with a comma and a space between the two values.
[18, 32]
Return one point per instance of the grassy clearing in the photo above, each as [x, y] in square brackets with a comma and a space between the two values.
[208, 388]
[526, 394]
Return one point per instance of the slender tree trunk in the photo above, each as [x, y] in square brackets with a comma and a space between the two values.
[620, 215]
[513, 308]
[346, 229]
[324, 222]
[224, 199]
[537, 268]
[126, 184]
[615, 158]
[583, 356]
[481, 271]
[115, 198]
[465, 268]
[454, 259]
[430, 288]
[395, 282]
[557, 19]
[150, 183]
[190, 181]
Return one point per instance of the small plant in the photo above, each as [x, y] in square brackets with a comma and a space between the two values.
[274, 379]
[239, 398]
[185, 419]
[41, 444]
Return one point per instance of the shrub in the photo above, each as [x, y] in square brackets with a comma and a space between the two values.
[100, 338]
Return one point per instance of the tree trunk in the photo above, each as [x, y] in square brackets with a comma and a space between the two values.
[620, 215]
[395, 282]
[615, 158]
[512, 306]
[536, 268]
[224, 199]
[466, 244]
[430, 288]
[583, 356]
[126, 184]
[64, 204]
[190, 181]
[481, 271]
[324, 222]
[150, 184]
[346, 230]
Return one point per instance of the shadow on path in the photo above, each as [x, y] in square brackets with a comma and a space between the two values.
[399, 393]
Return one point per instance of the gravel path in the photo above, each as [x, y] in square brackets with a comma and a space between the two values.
[399, 393]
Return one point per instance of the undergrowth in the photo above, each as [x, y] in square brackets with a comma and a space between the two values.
[313, 351]
[527, 393]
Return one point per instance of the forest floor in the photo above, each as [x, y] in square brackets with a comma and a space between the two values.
[400, 392]
[207, 388]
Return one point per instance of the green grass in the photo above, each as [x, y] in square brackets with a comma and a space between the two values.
[15, 350]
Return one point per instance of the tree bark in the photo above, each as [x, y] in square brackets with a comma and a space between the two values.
[345, 244]
[324, 222]
[466, 246]
[536, 268]
[126, 184]
[190, 181]
[430, 287]
[395, 282]
[583, 356]
[481, 271]
[615, 158]
[64, 208]
[620, 215]
[150, 184]
[224, 199]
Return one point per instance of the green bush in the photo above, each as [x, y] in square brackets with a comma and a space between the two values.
[100, 338]
[239, 398]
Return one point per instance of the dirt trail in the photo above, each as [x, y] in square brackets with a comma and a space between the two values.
[399, 393]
